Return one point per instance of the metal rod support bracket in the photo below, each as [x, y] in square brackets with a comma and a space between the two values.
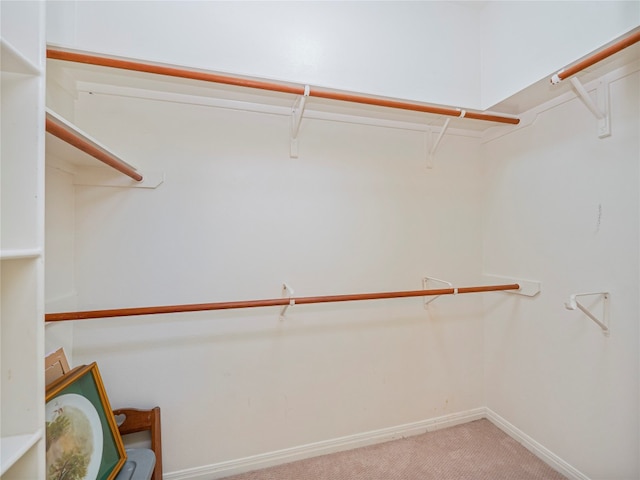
[288, 292]
[600, 109]
[603, 323]
[433, 146]
[296, 118]
[425, 286]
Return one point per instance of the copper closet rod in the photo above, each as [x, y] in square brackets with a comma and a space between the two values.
[597, 57]
[138, 66]
[198, 307]
[58, 130]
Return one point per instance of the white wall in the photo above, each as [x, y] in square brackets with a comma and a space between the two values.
[562, 208]
[60, 284]
[463, 54]
[414, 50]
[524, 42]
[356, 212]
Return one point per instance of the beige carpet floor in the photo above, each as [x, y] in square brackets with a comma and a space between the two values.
[473, 451]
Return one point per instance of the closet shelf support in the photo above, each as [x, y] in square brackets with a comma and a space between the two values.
[433, 146]
[288, 291]
[573, 303]
[296, 118]
[425, 285]
[601, 112]
[586, 99]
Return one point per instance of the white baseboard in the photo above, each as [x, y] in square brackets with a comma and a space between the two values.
[247, 464]
[234, 467]
[534, 447]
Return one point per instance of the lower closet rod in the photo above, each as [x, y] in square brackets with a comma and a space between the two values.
[197, 307]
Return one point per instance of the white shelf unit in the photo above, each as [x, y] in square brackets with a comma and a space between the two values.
[13, 448]
[18, 254]
[14, 61]
[22, 422]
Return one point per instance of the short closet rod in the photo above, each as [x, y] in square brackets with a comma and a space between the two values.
[58, 130]
[124, 312]
[138, 66]
[597, 57]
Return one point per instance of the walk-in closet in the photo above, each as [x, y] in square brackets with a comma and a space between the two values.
[302, 227]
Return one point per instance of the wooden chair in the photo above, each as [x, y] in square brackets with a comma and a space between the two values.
[136, 420]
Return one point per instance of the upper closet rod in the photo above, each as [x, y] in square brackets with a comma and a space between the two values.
[138, 66]
[124, 312]
[596, 57]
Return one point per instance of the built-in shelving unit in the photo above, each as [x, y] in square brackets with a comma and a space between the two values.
[14, 447]
[22, 445]
[19, 254]
[14, 61]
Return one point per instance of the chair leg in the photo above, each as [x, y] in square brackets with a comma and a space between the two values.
[136, 420]
[156, 443]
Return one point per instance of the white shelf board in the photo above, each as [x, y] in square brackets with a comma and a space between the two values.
[11, 60]
[16, 254]
[12, 448]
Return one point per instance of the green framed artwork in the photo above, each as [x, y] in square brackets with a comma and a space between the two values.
[83, 442]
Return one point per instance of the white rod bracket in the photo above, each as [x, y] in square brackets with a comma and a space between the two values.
[425, 286]
[428, 140]
[599, 110]
[296, 118]
[528, 288]
[604, 124]
[431, 148]
[573, 303]
[288, 292]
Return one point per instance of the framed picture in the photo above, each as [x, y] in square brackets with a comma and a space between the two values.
[83, 442]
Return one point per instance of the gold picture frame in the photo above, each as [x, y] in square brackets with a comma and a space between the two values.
[82, 436]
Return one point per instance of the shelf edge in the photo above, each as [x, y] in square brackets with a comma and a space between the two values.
[16, 61]
[14, 447]
[17, 254]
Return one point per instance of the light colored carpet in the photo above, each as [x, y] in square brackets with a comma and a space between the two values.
[473, 451]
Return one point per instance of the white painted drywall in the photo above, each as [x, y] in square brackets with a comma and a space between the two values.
[451, 53]
[358, 211]
[415, 50]
[524, 42]
[59, 279]
[562, 208]
[60, 226]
